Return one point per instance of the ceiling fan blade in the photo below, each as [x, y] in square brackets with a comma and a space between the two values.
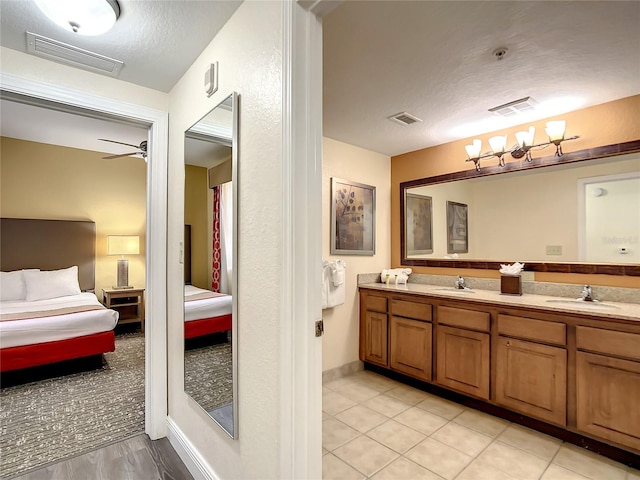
[121, 155]
[121, 143]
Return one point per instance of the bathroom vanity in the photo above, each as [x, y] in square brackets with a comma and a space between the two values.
[571, 366]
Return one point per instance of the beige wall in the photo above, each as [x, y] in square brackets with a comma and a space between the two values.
[51, 182]
[341, 327]
[609, 123]
[196, 214]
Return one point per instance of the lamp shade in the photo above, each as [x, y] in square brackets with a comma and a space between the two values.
[473, 150]
[123, 245]
[85, 17]
[498, 143]
[525, 139]
[555, 130]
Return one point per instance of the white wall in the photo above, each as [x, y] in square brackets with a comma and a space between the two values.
[341, 326]
[249, 52]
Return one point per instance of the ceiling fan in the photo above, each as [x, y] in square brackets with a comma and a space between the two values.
[142, 149]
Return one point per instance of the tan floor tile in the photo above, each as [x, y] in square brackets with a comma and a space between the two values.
[462, 438]
[530, 441]
[324, 451]
[479, 469]
[335, 434]
[366, 455]
[513, 461]
[333, 402]
[403, 469]
[420, 420]
[439, 458]
[361, 418]
[556, 472]
[441, 407]
[396, 436]
[589, 464]
[335, 469]
[407, 394]
[386, 405]
[375, 381]
[357, 391]
[481, 422]
[326, 416]
[339, 383]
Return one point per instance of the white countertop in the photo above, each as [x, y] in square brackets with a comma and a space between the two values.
[605, 310]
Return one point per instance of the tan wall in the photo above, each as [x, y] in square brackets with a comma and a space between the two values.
[605, 124]
[340, 341]
[50, 182]
[196, 215]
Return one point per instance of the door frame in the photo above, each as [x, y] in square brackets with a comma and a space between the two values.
[156, 228]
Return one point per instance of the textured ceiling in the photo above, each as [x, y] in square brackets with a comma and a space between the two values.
[434, 60]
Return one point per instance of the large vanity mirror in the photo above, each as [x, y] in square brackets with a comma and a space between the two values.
[210, 253]
[580, 214]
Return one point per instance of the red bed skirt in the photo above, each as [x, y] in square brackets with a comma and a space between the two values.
[14, 358]
[206, 326]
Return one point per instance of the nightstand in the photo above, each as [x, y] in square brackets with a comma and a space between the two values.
[129, 303]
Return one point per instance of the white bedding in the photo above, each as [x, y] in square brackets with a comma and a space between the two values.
[206, 308]
[15, 333]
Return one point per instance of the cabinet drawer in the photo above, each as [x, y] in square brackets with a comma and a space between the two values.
[376, 303]
[532, 329]
[403, 308]
[619, 344]
[459, 317]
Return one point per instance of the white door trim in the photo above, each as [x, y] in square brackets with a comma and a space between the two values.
[301, 351]
[156, 245]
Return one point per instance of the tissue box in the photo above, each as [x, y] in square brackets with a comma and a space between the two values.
[510, 285]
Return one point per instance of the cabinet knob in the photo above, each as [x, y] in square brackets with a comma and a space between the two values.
[508, 344]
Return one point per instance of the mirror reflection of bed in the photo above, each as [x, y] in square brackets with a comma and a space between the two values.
[208, 256]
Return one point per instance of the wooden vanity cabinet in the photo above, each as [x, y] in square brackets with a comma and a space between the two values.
[531, 377]
[373, 329]
[463, 354]
[410, 338]
[608, 386]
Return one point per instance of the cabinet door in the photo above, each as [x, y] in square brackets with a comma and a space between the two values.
[463, 360]
[410, 347]
[532, 378]
[608, 398]
[375, 338]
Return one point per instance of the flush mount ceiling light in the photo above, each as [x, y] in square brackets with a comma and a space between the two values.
[84, 17]
[555, 131]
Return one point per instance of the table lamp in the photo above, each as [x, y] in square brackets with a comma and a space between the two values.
[123, 245]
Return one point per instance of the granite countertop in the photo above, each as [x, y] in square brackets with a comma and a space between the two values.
[606, 310]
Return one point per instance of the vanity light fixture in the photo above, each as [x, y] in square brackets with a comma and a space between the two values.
[526, 142]
[84, 17]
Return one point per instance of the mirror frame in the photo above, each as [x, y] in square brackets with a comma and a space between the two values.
[551, 160]
[234, 144]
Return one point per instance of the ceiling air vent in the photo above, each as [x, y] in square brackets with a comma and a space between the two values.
[514, 108]
[404, 118]
[70, 55]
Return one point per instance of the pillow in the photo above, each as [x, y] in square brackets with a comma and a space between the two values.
[12, 286]
[42, 285]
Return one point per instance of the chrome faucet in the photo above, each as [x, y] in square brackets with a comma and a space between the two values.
[460, 284]
[587, 295]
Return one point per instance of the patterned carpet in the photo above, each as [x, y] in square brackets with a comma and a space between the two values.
[44, 421]
[208, 377]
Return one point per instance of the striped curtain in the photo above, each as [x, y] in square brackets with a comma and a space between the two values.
[217, 264]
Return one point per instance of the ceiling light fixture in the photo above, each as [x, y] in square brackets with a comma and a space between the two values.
[84, 17]
[555, 131]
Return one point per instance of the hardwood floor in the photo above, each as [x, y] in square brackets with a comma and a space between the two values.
[137, 458]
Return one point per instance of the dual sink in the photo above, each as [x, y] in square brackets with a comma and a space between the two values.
[577, 303]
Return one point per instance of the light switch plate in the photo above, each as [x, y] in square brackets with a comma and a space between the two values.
[211, 79]
[554, 249]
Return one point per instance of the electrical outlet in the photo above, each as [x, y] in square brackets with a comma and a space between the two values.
[554, 249]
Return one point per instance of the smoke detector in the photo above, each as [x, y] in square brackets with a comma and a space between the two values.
[404, 118]
[514, 108]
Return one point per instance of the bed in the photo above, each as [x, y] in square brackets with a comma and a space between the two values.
[205, 312]
[55, 318]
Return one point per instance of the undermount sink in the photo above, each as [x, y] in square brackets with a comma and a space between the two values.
[581, 303]
[454, 290]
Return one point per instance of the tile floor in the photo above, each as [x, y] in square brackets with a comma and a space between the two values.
[374, 427]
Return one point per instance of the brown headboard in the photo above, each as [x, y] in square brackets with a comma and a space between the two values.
[49, 245]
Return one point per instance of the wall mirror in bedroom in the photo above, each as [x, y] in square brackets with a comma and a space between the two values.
[210, 252]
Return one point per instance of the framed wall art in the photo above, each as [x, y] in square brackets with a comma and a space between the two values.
[418, 225]
[457, 228]
[353, 218]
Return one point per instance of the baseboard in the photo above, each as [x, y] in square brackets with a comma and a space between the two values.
[188, 453]
[342, 371]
